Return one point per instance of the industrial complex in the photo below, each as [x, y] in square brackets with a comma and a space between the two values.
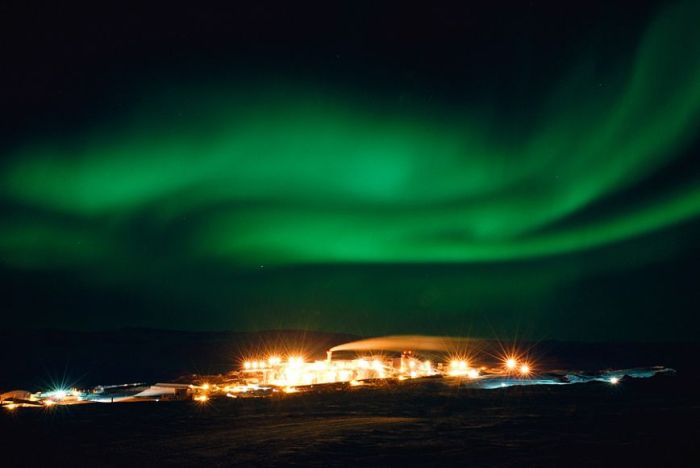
[370, 362]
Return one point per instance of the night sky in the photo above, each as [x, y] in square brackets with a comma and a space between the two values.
[528, 169]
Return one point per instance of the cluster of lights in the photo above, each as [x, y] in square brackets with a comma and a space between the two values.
[289, 375]
[415, 368]
[50, 398]
[255, 365]
[61, 396]
[514, 366]
[460, 367]
[294, 371]
[272, 361]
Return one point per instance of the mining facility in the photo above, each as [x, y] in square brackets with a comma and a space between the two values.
[371, 362]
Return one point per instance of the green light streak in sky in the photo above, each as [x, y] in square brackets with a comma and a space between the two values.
[293, 180]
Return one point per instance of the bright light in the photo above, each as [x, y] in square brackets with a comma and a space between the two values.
[246, 365]
[274, 360]
[614, 380]
[458, 367]
[11, 406]
[355, 383]
[524, 369]
[319, 365]
[205, 386]
[290, 390]
[295, 361]
[473, 373]
[49, 402]
[511, 364]
[309, 378]
[201, 398]
[59, 394]
[459, 364]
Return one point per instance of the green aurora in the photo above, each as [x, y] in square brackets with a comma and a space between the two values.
[284, 175]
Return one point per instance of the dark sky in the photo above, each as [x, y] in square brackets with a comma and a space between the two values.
[527, 169]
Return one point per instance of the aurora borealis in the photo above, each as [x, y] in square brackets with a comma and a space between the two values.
[269, 200]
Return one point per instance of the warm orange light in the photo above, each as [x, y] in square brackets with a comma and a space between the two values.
[524, 369]
[457, 364]
[511, 363]
[473, 373]
[459, 367]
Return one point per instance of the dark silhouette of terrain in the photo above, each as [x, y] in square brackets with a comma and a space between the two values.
[413, 423]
